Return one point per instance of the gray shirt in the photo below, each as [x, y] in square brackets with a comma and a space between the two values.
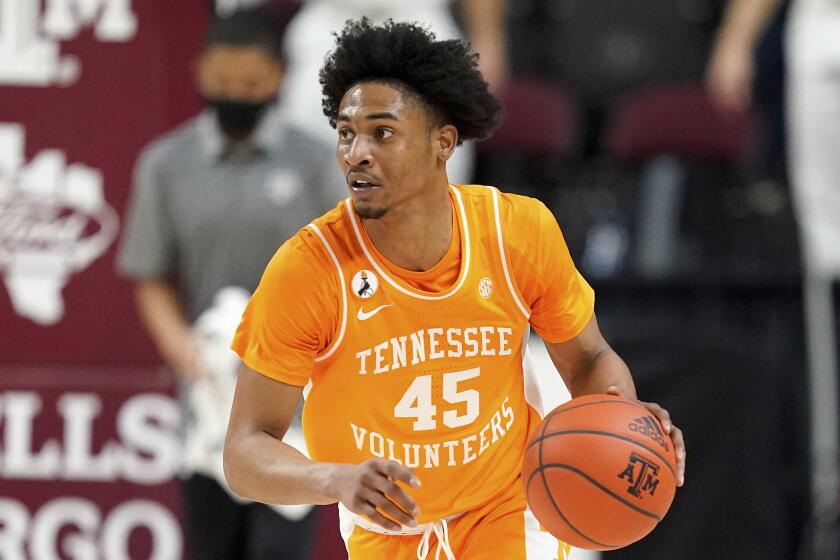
[206, 217]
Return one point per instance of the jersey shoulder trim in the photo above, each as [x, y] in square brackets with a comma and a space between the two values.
[517, 298]
[330, 350]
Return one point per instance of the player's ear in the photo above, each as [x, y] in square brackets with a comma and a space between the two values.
[445, 140]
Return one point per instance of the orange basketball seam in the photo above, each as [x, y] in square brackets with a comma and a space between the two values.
[551, 496]
[560, 408]
[601, 487]
[557, 508]
[605, 434]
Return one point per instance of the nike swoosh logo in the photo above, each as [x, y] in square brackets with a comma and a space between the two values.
[362, 316]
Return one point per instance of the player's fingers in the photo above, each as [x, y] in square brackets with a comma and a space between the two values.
[399, 472]
[387, 507]
[392, 491]
[679, 450]
[663, 415]
[370, 512]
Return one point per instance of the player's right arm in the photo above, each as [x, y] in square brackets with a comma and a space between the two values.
[260, 467]
[291, 318]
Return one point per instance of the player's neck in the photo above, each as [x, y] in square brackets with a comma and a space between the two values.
[416, 234]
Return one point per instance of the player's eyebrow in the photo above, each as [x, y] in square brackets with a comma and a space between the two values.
[371, 117]
[382, 115]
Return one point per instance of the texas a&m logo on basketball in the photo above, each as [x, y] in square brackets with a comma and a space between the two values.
[648, 426]
[641, 474]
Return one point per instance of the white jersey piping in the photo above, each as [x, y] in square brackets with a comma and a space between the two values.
[464, 273]
[505, 267]
[337, 342]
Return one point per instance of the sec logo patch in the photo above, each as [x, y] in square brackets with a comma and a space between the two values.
[485, 287]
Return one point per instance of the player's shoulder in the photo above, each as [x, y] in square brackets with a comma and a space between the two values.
[513, 208]
[333, 221]
[300, 271]
[313, 242]
[302, 257]
[335, 228]
[521, 208]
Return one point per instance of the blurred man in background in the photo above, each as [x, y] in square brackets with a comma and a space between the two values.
[813, 128]
[212, 201]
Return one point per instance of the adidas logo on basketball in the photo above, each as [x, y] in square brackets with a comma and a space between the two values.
[649, 427]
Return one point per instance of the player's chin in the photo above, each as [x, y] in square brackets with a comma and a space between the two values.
[369, 211]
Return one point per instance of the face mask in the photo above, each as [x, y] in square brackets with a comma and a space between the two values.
[238, 118]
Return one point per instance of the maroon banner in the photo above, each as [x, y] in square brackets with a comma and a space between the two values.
[84, 85]
[87, 454]
[88, 459]
[88, 438]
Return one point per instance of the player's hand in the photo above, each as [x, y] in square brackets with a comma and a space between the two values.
[371, 490]
[665, 418]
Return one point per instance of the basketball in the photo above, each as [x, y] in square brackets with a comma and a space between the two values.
[600, 472]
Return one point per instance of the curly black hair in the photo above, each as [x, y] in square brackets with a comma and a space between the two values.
[442, 74]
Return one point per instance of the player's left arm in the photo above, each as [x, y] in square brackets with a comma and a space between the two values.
[589, 365]
[562, 312]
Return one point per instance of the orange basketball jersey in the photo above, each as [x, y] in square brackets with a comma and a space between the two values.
[433, 380]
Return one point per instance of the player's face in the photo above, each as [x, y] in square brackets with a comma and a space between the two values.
[385, 147]
[240, 73]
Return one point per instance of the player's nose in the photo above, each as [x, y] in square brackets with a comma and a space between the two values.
[358, 154]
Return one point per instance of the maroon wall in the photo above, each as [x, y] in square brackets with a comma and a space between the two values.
[87, 418]
[89, 457]
[125, 87]
[88, 446]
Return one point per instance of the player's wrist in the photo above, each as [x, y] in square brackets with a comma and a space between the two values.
[332, 479]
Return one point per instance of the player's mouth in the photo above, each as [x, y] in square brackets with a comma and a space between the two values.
[362, 183]
[359, 186]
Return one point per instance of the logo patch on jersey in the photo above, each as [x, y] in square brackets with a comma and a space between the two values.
[363, 315]
[485, 287]
[364, 284]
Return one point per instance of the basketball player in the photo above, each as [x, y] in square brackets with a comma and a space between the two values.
[417, 411]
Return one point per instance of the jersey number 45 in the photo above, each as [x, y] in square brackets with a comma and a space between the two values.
[417, 401]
